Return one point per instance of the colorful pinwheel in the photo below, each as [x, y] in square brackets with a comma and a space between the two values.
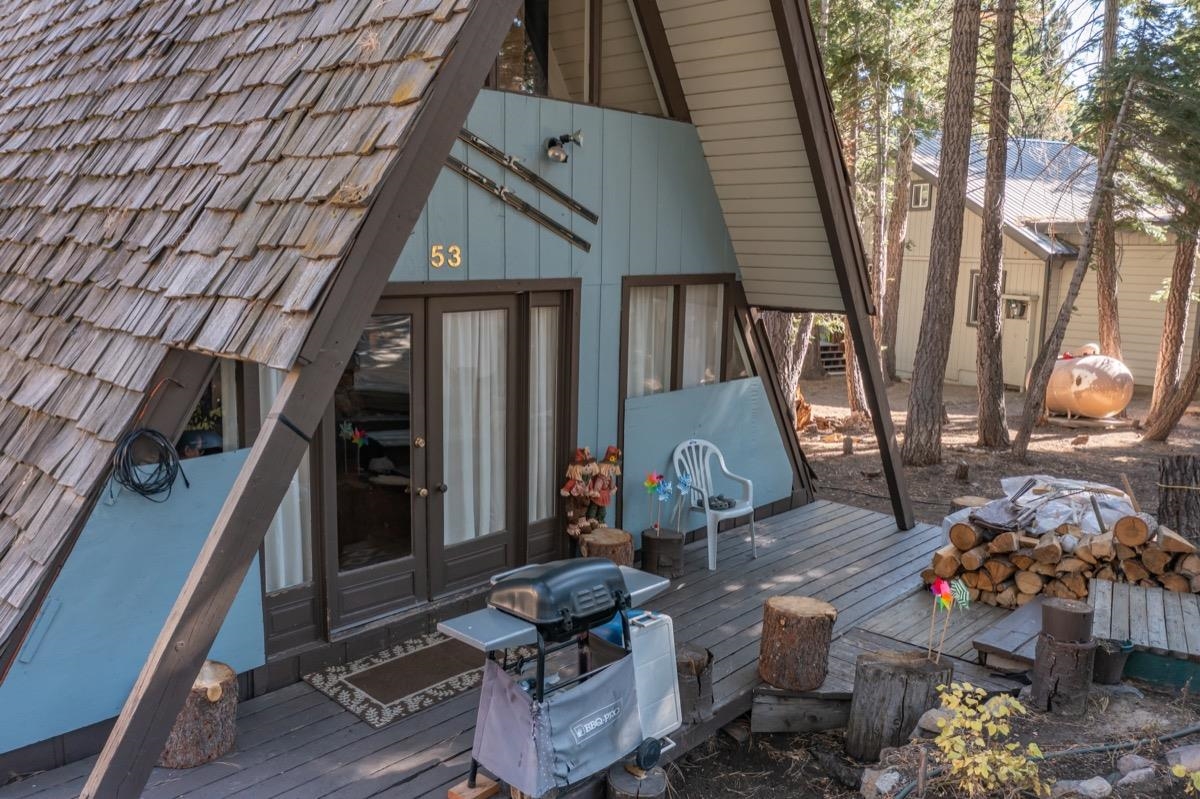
[652, 481]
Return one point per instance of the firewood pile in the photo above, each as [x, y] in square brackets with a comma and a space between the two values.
[1008, 568]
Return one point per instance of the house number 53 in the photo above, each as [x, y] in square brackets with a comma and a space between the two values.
[445, 255]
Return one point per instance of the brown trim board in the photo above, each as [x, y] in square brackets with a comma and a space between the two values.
[183, 376]
[662, 60]
[595, 49]
[129, 755]
[814, 109]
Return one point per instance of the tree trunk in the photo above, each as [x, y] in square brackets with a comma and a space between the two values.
[1108, 320]
[1179, 495]
[1159, 426]
[1175, 317]
[1035, 398]
[897, 229]
[789, 336]
[856, 392]
[923, 430]
[823, 25]
[879, 282]
[891, 692]
[989, 361]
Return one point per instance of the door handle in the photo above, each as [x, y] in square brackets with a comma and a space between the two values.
[441, 488]
[422, 492]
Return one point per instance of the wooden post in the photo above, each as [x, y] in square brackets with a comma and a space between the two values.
[693, 665]
[144, 723]
[891, 691]
[794, 653]
[623, 783]
[608, 542]
[662, 552]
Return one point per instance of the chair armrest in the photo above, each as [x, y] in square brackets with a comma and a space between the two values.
[737, 478]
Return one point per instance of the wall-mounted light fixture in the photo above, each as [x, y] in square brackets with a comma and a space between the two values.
[556, 147]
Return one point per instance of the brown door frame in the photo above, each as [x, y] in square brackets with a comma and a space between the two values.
[336, 582]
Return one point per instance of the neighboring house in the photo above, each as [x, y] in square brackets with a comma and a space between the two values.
[199, 203]
[1046, 199]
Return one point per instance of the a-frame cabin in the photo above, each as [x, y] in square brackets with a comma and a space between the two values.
[262, 229]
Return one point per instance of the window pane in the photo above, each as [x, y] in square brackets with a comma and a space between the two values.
[543, 406]
[213, 425]
[650, 331]
[702, 324]
[739, 360]
[475, 422]
[372, 438]
[287, 549]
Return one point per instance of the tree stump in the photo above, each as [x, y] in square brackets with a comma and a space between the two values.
[794, 653]
[891, 691]
[967, 501]
[1179, 495]
[206, 726]
[1067, 620]
[623, 784]
[662, 552]
[693, 665]
[608, 542]
[1062, 672]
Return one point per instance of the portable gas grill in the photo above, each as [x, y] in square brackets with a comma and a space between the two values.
[544, 725]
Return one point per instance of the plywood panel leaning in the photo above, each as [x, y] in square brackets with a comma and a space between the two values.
[794, 652]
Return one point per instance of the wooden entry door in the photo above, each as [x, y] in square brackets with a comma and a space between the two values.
[474, 404]
[373, 465]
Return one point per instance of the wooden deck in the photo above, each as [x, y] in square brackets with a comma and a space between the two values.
[297, 743]
[1156, 621]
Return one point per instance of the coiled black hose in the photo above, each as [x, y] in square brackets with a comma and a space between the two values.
[135, 476]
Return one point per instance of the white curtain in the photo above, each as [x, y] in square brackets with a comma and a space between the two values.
[475, 421]
[287, 549]
[649, 335]
[702, 323]
[543, 403]
[229, 405]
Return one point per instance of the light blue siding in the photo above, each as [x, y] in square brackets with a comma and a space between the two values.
[109, 602]
[647, 179]
[735, 416]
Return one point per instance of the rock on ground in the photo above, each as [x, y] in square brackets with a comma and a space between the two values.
[1094, 788]
[930, 718]
[1139, 776]
[1128, 763]
[1186, 756]
[877, 783]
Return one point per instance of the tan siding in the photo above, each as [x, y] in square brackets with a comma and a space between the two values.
[568, 32]
[731, 68]
[625, 78]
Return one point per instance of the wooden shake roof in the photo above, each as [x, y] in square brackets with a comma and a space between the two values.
[174, 173]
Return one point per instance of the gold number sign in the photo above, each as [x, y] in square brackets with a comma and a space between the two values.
[445, 255]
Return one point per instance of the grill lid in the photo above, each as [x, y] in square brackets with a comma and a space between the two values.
[563, 597]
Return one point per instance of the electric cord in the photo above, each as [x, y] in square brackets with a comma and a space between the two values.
[163, 462]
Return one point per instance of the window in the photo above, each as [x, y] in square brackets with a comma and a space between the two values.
[921, 193]
[521, 64]
[973, 296]
[213, 425]
[287, 547]
[679, 335]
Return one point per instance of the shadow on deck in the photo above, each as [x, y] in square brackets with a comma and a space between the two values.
[297, 743]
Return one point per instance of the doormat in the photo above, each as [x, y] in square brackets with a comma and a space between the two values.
[402, 680]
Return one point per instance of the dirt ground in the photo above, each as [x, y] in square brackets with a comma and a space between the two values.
[790, 766]
[857, 479]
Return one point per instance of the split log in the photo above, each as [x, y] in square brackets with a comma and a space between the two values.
[1004, 544]
[693, 666]
[1133, 570]
[928, 576]
[987, 597]
[1196, 585]
[1055, 588]
[1007, 596]
[608, 542]
[794, 653]
[1083, 551]
[1076, 584]
[1170, 541]
[971, 579]
[1105, 573]
[1062, 675]
[1048, 550]
[1189, 566]
[1071, 566]
[1024, 599]
[1044, 569]
[1133, 531]
[965, 536]
[1022, 558]
[973, 559]
[1102, 546]
[983, 581]
[891, 692]
[946, 561]
[1176, 582]
[1157, 561]
[1122, 552]
[623, 783]
[999, 569]
[1178, 497]
[207, 725]
[1028, 582]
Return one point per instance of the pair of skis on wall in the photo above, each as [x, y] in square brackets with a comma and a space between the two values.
[512, 200]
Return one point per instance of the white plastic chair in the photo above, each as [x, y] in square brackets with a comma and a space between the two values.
[692, 458]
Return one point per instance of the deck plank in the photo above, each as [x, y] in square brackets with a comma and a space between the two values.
[1120, 611]
[1138, 622]
[1156, 621]
[1176, 634]
[1191, 624]
[1100, 598]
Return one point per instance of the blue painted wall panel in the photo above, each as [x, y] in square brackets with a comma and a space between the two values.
[109, 602]
[736, 416]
